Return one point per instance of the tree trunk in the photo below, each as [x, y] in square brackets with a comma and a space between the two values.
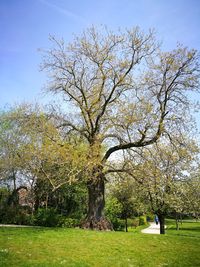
[14, 181]
[177, 222]
[95, 219]
[161, 218]
[181, 218]
[126, 225]
[46, 201]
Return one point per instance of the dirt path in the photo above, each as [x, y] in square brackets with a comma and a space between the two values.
[152, 229]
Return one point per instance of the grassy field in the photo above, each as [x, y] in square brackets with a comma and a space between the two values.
[74, 247]
[188, 228]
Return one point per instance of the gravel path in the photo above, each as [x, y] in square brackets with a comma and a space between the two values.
[152, 229]
[14, 225]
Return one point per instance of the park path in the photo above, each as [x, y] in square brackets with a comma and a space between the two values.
[14, 225]
[152, 229]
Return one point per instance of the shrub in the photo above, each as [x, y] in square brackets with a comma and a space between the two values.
[70, 222]
[113, 209]
[135, 222]
[17, 215]
[142, 220]
[24, 219]
[118, 224]
[47, 217]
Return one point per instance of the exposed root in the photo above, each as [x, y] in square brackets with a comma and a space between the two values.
[102, 224]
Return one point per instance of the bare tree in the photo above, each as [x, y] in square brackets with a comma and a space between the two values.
[123, 93]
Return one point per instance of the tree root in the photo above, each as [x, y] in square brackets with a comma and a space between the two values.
[101, 224]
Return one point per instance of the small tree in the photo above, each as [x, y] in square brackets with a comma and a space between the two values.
[191, 195]
[162, 175]
[125, 189]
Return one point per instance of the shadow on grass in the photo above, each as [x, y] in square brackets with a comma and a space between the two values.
[187, 228]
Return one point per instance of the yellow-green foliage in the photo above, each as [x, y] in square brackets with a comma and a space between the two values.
[142, 220]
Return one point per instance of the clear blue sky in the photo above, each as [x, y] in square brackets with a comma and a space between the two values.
[26, 24]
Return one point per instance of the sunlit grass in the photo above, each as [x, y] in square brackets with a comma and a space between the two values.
[186, 228]
[75, 247]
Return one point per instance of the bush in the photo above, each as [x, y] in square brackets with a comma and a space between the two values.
[118, 224]
[17, 215]
[24, 219]
[135, 222]
[142, 220]
[113, 209]
[70, 222]
[47, 217]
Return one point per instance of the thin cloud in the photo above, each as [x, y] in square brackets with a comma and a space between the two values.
[63, 11]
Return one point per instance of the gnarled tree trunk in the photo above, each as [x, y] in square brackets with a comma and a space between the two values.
[95, 219]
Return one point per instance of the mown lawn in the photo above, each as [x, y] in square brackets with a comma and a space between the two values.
[187, 228]
[80, 248]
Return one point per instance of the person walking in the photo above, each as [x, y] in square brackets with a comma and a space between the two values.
[156, 219]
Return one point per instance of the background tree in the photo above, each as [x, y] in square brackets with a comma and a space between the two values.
[123, 93]
[163, 174]
[69, 200]
[126, 191]
[10, 142]
[191, 195]
[33, 149]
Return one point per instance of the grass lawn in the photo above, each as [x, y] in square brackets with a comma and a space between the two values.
[188, 228]
[75, 247]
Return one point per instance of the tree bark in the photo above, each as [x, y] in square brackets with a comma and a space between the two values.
[95, 219]
[126, 225]
[161, 218]
[14, 180]
[181, 218]
[177, 222]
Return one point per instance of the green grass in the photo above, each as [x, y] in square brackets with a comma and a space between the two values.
[187, 228]
[80, 248]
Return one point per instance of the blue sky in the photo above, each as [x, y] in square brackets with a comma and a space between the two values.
[25, 26]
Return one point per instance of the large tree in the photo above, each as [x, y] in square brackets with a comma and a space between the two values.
[121, 92]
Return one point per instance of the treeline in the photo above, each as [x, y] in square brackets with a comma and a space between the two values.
[44, 176]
